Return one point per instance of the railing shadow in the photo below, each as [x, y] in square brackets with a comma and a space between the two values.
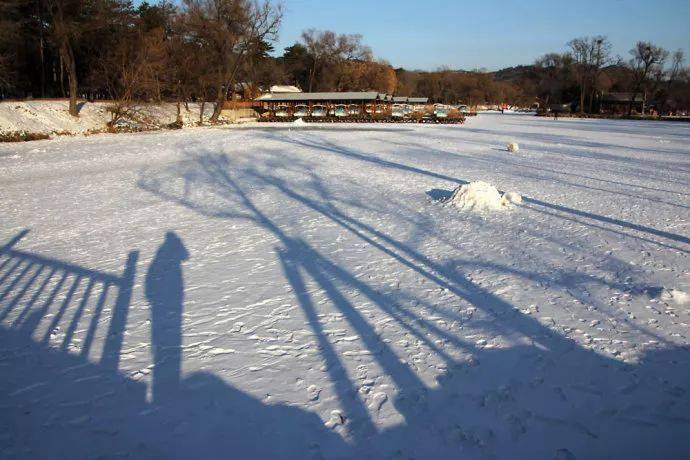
[58, 401]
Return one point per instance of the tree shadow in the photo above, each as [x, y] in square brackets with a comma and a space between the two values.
[533, 399]
[326, 146]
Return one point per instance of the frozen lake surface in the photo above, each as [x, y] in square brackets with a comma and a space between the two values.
[302, 292]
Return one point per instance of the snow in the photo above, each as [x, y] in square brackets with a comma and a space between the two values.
[513, 147]
[511, 198]
[52, 116]
[476, 196]
[284, 89]
[223, 292]
[676, 296]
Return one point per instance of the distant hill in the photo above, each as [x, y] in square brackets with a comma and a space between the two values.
[515, 73]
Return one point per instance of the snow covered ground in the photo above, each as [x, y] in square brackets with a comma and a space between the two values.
[303, 292]
[51, 116]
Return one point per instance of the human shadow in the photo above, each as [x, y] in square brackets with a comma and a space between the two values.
[79, 401]
[165, 292]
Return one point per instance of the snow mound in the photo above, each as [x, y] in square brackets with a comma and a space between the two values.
[675, 295]
[511, 198]
[513, 147]
[481, 196]
[476, 196]
[299, 122]
[52, 116]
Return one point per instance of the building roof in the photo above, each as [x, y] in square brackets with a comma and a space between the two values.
[621, 97]
[344, 96]
[400, 98]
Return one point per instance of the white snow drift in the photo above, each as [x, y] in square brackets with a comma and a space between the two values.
[481, 196]
[51, 116]
[675, 296]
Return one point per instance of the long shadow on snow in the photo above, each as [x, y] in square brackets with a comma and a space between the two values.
[333, 148]
[542, 396]
[58, 403]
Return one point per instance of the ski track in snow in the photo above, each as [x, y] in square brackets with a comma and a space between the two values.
[269, 292]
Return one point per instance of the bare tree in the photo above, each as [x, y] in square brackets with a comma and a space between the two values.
[228, 30]
[589, 55]
[581, 52]
[553, 71]
[327, 49]
[599, 58]
[674, 73]
[647, 59]
[65, 18]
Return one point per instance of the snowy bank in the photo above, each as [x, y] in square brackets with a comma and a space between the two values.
[50, 118]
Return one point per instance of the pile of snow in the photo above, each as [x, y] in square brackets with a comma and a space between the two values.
[299, 122]
[513, 147]
[52, 116]
[49, 117]
[511, 198]
[675, 296]
[481, 196]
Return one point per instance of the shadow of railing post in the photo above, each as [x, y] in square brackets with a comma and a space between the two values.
[14, 240]
[110, 358]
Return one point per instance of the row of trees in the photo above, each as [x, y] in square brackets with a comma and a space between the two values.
[108, 49]
[589, 69]
[207, 50]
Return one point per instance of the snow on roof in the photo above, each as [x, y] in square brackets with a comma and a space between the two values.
[285, 89]
[344, 96]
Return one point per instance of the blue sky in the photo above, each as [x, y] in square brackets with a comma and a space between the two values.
[426, 34]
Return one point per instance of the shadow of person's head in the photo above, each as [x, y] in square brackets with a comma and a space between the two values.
[172, 248]
[164, 276]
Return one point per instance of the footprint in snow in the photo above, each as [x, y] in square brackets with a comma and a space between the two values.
[313, 392]
[377, 401]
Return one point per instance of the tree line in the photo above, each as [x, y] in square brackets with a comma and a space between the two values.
[215, 50]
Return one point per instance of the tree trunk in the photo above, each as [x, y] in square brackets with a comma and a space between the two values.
[582, 98]
[201, 110]
[68, 60]
[43, 59]
[220, 98]
[312, 74]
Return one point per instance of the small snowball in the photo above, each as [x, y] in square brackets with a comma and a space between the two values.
[337, 418]
[511, 198]
[513, 147]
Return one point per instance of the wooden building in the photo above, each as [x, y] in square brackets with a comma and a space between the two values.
[338, 104]
[619, 103]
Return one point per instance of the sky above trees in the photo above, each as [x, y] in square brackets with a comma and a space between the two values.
[489, 34]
